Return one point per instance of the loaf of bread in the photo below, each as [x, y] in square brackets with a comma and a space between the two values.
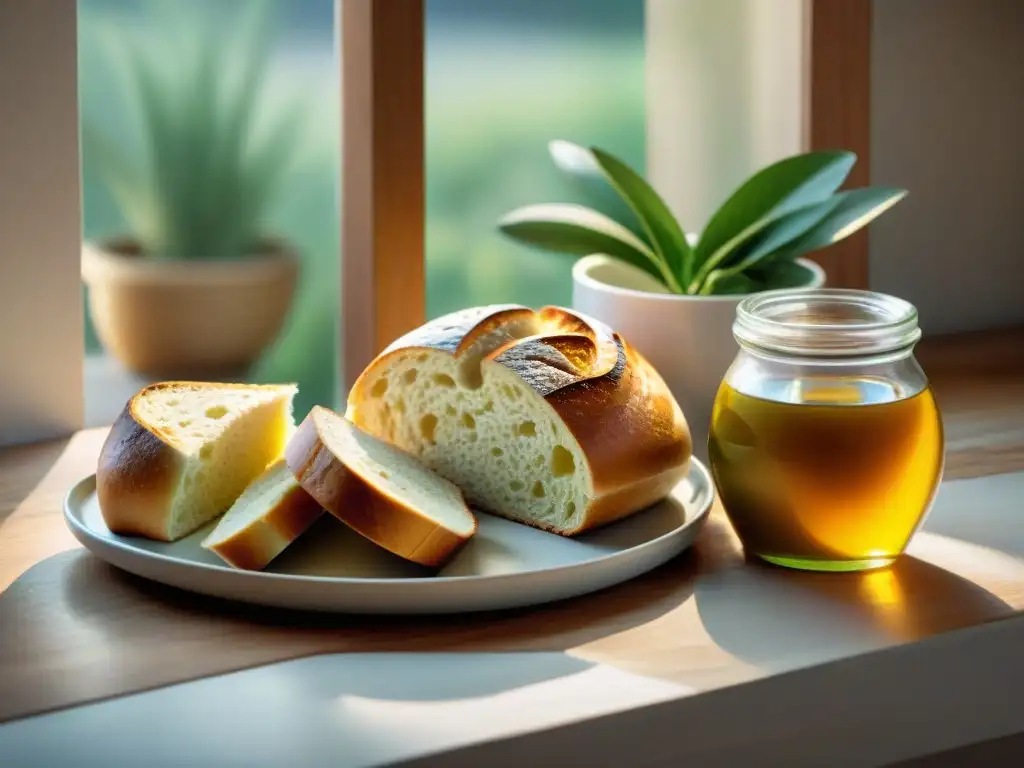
[546, 417]
[378, 490]
[181, 453]
[269, 515]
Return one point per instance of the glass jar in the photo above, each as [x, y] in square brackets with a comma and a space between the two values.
[826, 443]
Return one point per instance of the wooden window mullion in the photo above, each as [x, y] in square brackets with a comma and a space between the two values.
[839, 114]
[383, 271]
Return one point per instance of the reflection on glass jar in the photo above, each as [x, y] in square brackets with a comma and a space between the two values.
[826, 443]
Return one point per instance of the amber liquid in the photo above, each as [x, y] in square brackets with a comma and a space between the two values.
[823, 474]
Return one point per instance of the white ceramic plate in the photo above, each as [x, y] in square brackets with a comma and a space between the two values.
[331, 568]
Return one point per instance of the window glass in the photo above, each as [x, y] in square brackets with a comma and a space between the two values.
[503, 78]
[299, 84]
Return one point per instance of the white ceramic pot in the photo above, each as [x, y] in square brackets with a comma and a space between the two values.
[687, 338]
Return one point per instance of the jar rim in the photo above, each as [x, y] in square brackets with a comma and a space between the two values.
[826, 322]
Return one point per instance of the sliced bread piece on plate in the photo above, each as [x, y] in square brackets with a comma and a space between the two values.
[380, 491]
[180, 454]
[269, 515]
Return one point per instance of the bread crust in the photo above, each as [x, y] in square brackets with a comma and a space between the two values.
[139, 469]
[364, 507]
[632, 431]
[136, 478]
[253, 547]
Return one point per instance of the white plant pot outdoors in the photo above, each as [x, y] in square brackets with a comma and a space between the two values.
[688, 339]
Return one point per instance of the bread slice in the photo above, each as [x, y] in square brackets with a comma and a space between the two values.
[546, 417]
[269, 515]
[378, 490]
[180, 454]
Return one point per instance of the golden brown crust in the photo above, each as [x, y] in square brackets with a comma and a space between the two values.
[631, 429]
[496, 329]
[549, 363]
[567, 321]
[139, 468]
[365, 508]
[628, 424]
[629, 499]
[253, 547]
[449, 331]
[136, 478]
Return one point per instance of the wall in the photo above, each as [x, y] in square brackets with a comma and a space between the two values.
[725, 93]
[40, 289]
[947, 110]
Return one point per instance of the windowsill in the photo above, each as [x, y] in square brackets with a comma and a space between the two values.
[796, 661]
[107, 387]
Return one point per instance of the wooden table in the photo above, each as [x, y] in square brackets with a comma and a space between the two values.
[73, 630]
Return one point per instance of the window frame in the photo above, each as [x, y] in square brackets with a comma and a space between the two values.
[383, 178]
[838, 113]
[383, 182]
[381, 68]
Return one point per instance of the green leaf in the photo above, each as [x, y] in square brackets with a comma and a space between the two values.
[855, 209]
[720, 283]
[769, 240]
[157, 101]
[661, 227]
[585, 176]
[253, 43]
[199, 199]
[769, 194]
[237, 186]
[270, 160]
[580, 231]
[124, 181]
[782, 274]
[763, 277]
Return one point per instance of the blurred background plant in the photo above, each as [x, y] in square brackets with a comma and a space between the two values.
[207, 127]
[209, 158]
[502, 77]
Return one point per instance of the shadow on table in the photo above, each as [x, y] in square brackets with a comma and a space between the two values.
[74, 611]
[779, 619]
[25, 467]
[94, 601]
[429, 677]
[339, 709]
[91, 584]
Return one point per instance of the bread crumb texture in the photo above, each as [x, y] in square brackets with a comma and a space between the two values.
[395, 473]
[492, 435]
[228, 435]
[258, 500]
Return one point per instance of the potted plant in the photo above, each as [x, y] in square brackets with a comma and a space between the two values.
[673, 295]
[196, 287]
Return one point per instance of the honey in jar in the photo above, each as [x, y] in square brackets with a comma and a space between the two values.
[826, 443]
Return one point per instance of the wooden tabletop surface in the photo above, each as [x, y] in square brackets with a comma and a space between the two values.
[73, 629]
